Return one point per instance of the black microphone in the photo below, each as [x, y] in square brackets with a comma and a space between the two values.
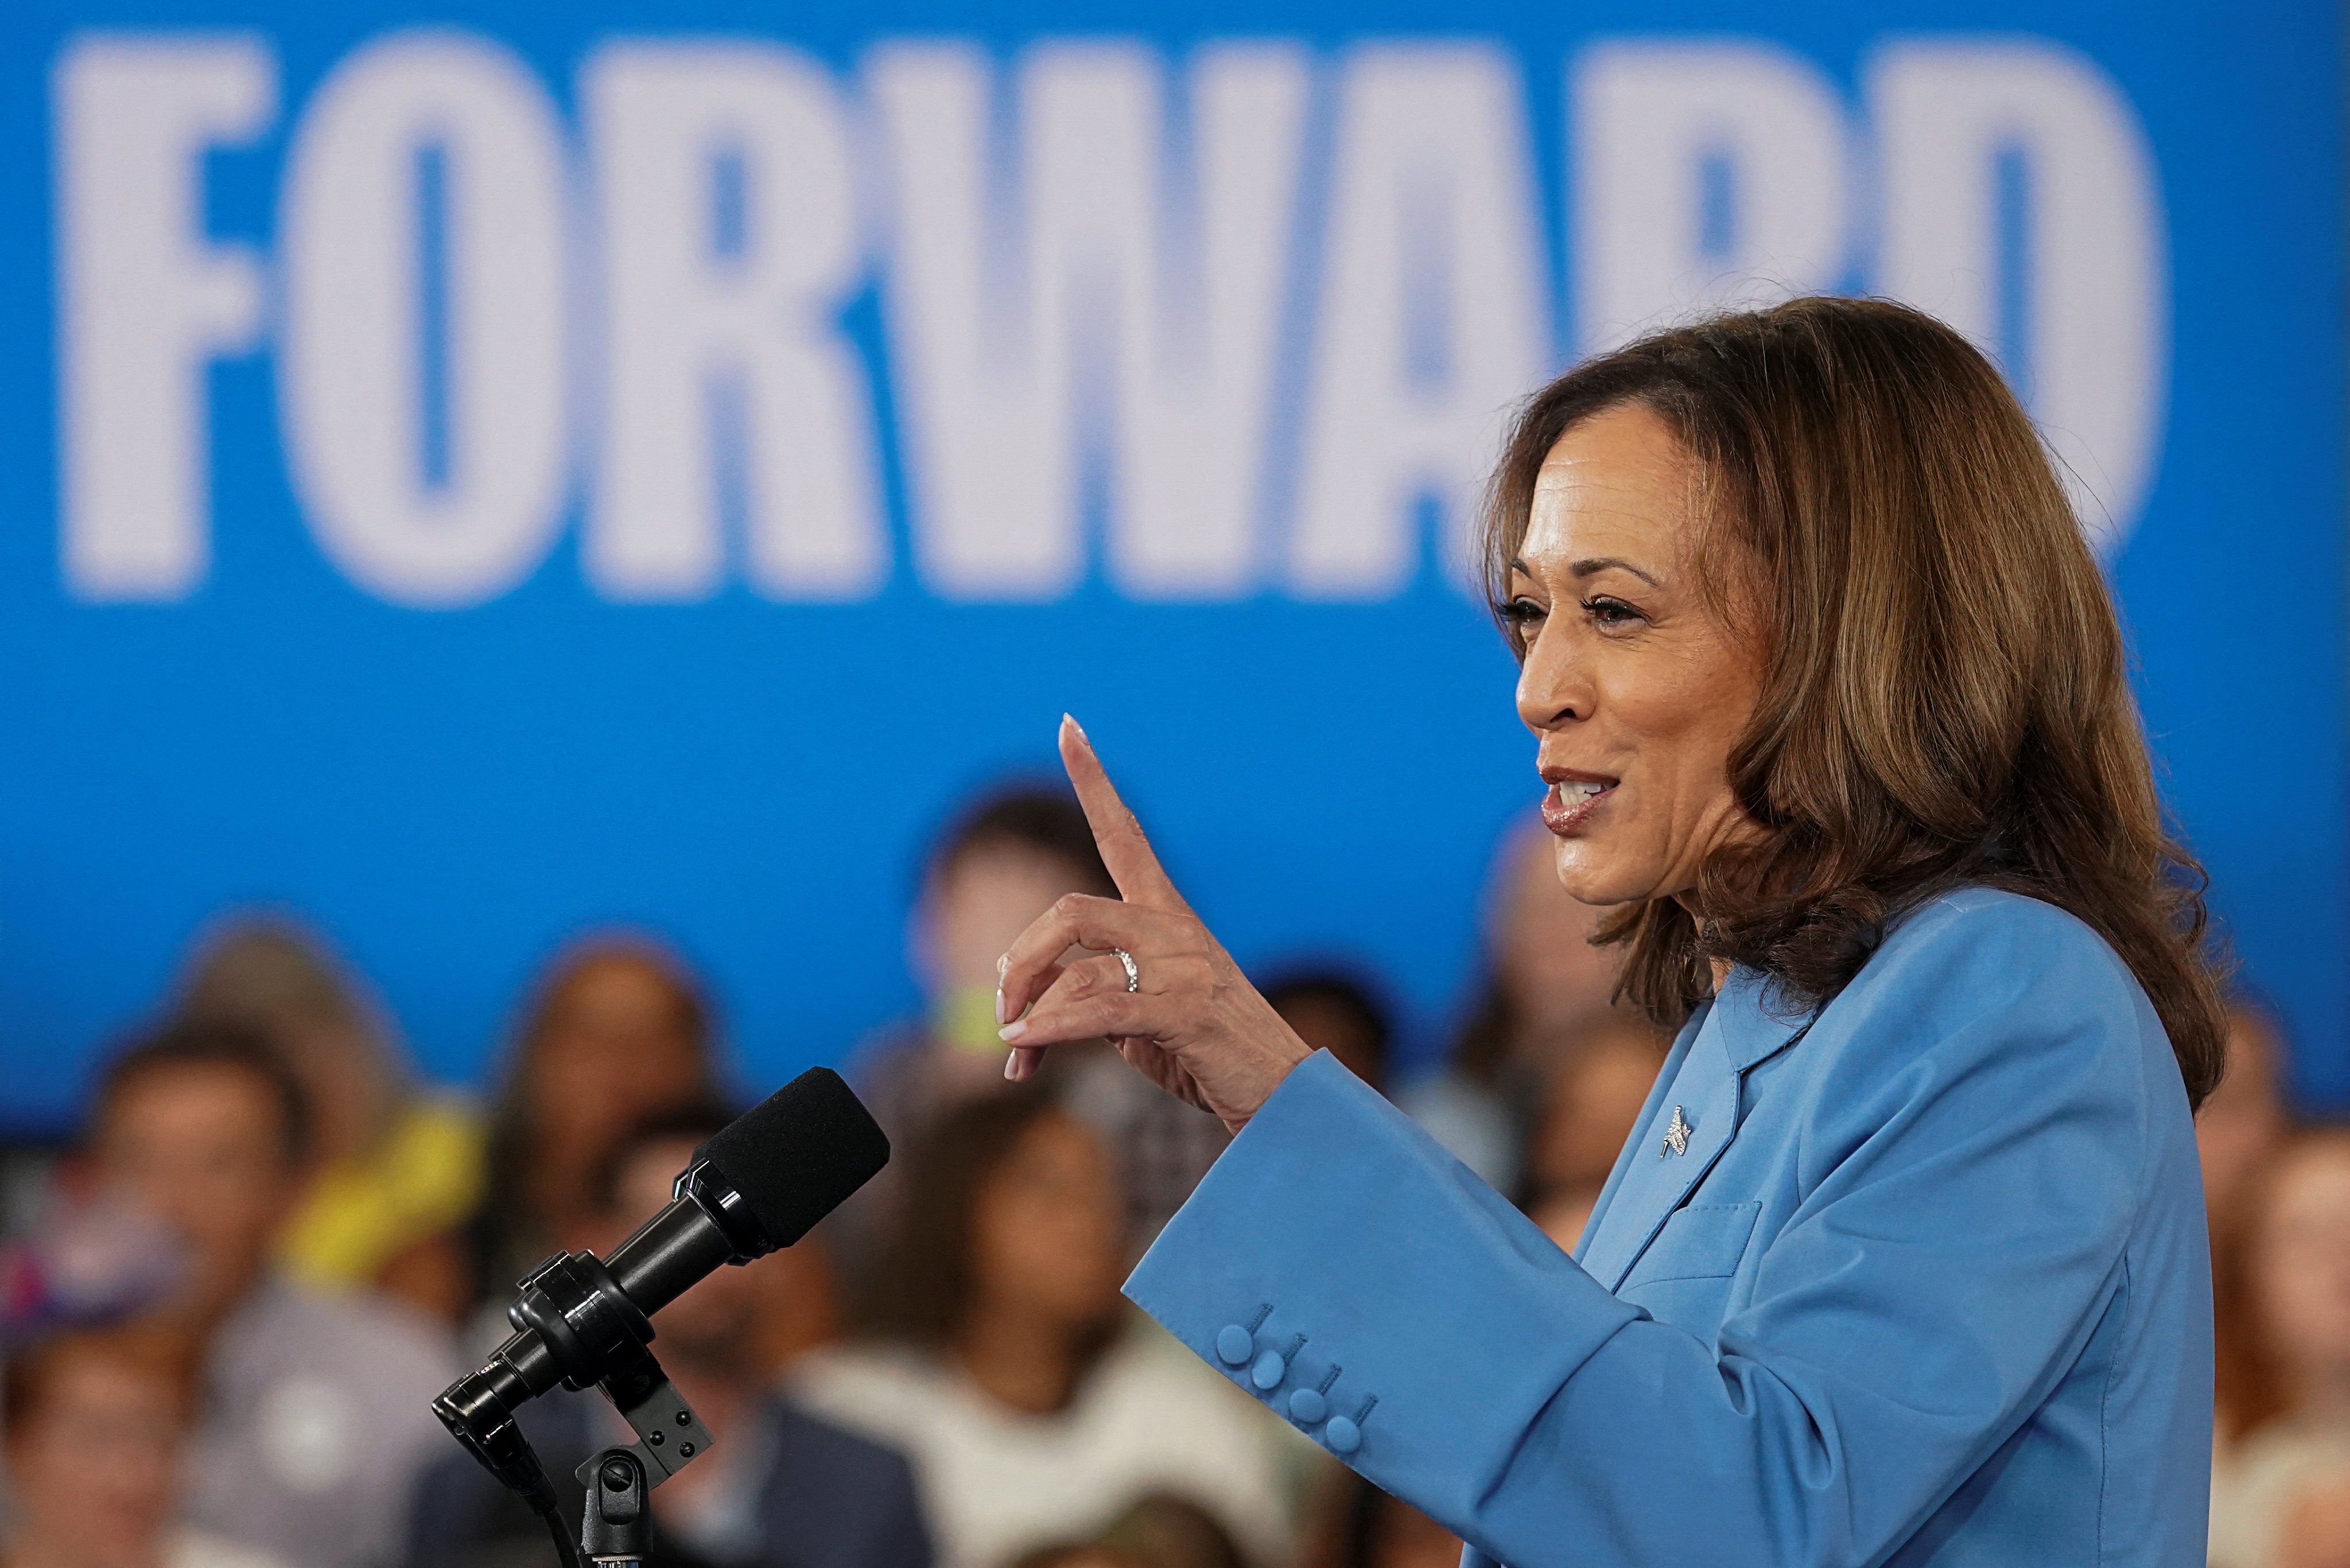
[580, 1321]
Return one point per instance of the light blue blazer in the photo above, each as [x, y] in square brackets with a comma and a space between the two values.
[1919, 1279]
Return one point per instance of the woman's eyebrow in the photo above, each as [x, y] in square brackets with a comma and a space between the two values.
[1598, 564]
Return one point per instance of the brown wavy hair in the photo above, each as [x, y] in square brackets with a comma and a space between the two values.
[1944, 699]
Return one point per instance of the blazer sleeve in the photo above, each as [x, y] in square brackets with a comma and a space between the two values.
[1970, 1185]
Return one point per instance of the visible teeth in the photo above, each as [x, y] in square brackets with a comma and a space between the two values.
[1573, 790]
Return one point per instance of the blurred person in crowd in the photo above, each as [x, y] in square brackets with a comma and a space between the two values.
[778, 1489]
[2246, 1117]
[616, 1030]
[2237, 1129]
[1588, 1111]
[1357, 1525]
[2289, 1267]
[1003, 1361]
[97, 1427]
[1544, 985]
[1333, 1009]
[2316, 1530]
[394, 1166]
[81, 1259]
[1003, 864]
[313, 1415]
[1161, 1530]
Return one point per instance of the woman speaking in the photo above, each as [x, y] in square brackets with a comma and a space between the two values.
[1906, 1261]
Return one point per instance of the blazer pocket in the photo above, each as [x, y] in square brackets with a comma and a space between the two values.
[1699, 1242]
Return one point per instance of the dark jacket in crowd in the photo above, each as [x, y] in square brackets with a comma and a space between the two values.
[817, 1497]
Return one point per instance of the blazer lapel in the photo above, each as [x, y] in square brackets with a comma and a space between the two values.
[1686, 1126]
[1627, 1159]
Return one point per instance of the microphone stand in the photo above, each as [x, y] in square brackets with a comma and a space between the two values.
[757, 1184]
[616, 1523]
[574, 1325]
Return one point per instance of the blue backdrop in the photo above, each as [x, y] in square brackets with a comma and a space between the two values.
[473, 473]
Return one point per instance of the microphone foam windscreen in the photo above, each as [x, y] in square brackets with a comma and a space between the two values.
[799, 1152]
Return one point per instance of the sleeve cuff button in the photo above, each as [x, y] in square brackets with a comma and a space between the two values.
[1269, 1370]
[1234, 1345]
[1307, 1405]
[1342, 1435]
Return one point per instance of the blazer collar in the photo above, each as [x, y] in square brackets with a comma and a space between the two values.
[1692, 1117]
[1749, 1022]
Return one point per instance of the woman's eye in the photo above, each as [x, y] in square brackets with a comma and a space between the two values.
[1611, 613]
[1522, 613]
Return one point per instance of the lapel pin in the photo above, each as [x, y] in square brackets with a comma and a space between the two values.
[1677, 1136]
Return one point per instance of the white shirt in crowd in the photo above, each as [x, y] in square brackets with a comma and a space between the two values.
[195, 1549]
[2256, 1484]
[318, 1422]
[998, 1483]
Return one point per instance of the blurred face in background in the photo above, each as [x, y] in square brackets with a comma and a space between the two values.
[93, 1462]
[713, 1324]
[2299, 1266]
[281, 980]
[204, 1148]
[2244, 1118]
[1542, 941]
[1593, 1103]
[1048, 1230]
[1634, 685]
[977, 906]
[617, 1042]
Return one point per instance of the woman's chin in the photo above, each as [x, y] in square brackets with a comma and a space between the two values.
[1591, 876]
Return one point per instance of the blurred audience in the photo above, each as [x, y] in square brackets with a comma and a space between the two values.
[2239, 1128]
[1003, 1361]
[616, 1030]
[2286, 1268]
[2242, 1121]
[393, 1166]
[1001, 865]
[314, 1417]
[1589, 1109]
[1546, 986]
[778, 1487]
[96, 1429]
[1334, 1010]
[206, 1374]
[1357, 1525]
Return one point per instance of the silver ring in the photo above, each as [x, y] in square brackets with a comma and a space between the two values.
[1133, 975]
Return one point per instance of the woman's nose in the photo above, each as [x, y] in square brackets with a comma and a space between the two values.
[1553, 689]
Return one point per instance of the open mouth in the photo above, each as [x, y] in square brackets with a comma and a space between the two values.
[1571, 802]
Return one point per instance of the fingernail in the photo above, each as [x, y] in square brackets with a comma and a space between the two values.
[1071, 721]
[1012, 1067]
[999, 1005]
[1011, 1033]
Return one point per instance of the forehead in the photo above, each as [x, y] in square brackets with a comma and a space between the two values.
[2314, 1180]
[1617, 483]
[650, 1170]
[194, 1096]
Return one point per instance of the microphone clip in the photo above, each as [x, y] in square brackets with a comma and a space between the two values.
[597, 1338]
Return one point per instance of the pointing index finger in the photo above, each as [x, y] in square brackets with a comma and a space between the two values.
[1132, 864]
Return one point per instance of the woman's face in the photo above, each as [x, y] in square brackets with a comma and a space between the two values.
[614, 1049]
[2301, 1262]
[1634, 687]
[1047, 1232]
[94, 1471]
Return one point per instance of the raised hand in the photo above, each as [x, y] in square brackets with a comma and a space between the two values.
[1192, 1024]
